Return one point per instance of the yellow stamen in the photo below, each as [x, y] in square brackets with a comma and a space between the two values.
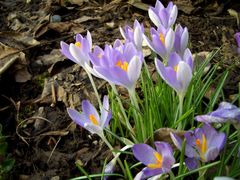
[175, 68]
[78, 44]
[122, 65]
[202, 146]
[204, 143]
[93, 119]
[158, 163]
[161, 37]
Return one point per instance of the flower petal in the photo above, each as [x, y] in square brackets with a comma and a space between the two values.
[78, 118]
[154, 17]
[134, 69]
[144, 153]
[65, 51]
[89, 109]
[168, 75]
[191, 163]
[184, 76]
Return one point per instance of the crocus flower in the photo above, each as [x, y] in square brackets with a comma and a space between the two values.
[120, 64]
[78, 52]
[162, 16]
[134, 35]
[90, 119]
[226, 112]
[157, 161]
[202, 144]
[181, 39]
[162, 41]
[178, 73]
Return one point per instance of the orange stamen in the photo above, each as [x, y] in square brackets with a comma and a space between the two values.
[122, 65]
[93, 119]
[202, 146]
[161, 37]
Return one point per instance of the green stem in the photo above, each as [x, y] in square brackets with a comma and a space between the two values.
[94, 88]
[136, 110]
[181, 99]
[122, 109]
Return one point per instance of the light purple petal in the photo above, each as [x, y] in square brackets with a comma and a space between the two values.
[173, 15]
[158, 46]
[211, 154]
[78, 55]
[174, 60]
[219, 140]
[134, 69]
[144, 153]
[138, 37]
[184, 76]
[164, 17]
[169, 40]
[151, 172]
[89, 39]
[210, 119]
[187, 57]
[184, 39]
[154, 17]
[168, 75]
[89, 109]
[191, 163]
[105, 112]
[78, 118]
[65, 51]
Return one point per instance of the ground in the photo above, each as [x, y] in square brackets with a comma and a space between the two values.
[40, 83]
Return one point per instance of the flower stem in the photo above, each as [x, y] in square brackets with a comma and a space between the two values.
[129, 126]
[181, 98]
[94, 88]
[138, 118]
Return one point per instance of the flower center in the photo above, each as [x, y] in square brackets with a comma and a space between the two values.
[161, 37]
[202, 146]
[100, 55]
[93, 119]
[78, 44]
[122, 65]
[175, 68]
[158, 163]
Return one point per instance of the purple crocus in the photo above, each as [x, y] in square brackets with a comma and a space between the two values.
[162, 16]
[226, 112]
[120, 64]
[202, 144]
[178, 73]
[157, 161]
[78, 52]
[181, 39]
[162, 41]
[90, 119]
[134, 35]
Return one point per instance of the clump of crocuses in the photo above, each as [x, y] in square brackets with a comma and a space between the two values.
[202, 144]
